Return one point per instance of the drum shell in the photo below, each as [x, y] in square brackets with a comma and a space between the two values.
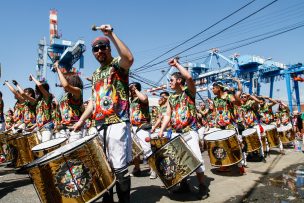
[181, 159]
[42, 152]
[252, 141]
[157, 143]
[88, 155]
[231, 151]
[23, 145]
[287, 136]
[272, 138]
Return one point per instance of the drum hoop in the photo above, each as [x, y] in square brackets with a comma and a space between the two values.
[43, 162]
[255, 131]
[37, 150]
[220, 139]
[164, 145]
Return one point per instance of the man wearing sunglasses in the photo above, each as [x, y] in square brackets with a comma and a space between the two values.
[181, 112]
[109, 105]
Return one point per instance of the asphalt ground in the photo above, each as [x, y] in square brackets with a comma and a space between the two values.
[224, 186]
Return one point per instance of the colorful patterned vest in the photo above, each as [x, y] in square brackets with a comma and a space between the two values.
[183, 116]
[139, 112]
[224, 108]
[111, 94]
[29, 113]
[43, 112]
[70, 108]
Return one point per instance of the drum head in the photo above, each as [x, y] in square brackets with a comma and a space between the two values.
[268, 127]
[220, 135]
[283, 128]
[48, 144]
[211, 130]
[62, 150]
[248, 131]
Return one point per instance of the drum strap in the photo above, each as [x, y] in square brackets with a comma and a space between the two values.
[105, 129]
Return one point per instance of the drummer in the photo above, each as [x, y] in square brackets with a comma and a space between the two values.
[250, 117]
[267, 117]
[44, 99]
[9, 120]
[140, 120]
[161, 112]
[18, 109]
[70, 103]
[283, 117]
[224, 115]
[110, 104]
[181, 112]
[29, 116]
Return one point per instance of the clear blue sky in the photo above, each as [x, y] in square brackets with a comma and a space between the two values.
[149, 28]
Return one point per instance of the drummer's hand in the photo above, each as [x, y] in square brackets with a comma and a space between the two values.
[153, 129]
[106, 29]
[160, 133]
[77, 126]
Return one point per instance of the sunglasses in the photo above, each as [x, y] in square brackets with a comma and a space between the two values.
[243, 97]
[100, 47]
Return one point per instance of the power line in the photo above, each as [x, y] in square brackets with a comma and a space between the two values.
[226, 17]
[223, 30]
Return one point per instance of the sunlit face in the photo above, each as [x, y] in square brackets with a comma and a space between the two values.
[102, 53]
[174, 83]
[216, 90]
[163, 99]
[202, 106]
[244, 98]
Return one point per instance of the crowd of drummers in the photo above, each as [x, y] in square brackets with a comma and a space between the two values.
[231, 126]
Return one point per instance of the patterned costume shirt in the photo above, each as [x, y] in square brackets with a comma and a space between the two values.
[18, 113]
[183, 116]
[266, 114]
[43, 112]
[29, 113]
[224, 116]
[139, 112]
[110, 94]
[70, 108]
[56, 116]
[283, 116]
[9, 121]
[248, 114]
[162, 113]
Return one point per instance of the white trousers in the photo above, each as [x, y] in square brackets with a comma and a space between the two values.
[140, 137]
[118, 144]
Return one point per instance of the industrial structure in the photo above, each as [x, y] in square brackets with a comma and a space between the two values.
[64, 51]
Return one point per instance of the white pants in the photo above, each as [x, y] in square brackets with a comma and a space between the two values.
[192, 139]
[44, 135]
[140, 137]
[118, 144]
[201, 133]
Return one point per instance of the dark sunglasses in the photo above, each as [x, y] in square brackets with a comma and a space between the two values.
[100, 47]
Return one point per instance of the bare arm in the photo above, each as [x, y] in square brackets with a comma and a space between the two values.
[17, 94]
[166, 120]
[86, 114]
[123, 51]
[46, 94]
[142, 97]
[75, 91]
[25, 96]
[240, 89]
[190, 83]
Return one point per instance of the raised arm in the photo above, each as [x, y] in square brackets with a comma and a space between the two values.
[125, 54]
[190, 83]
[86, 114]
[15, 92]
[46, 94]
[142, 97]
[21, 90]
[75, 91]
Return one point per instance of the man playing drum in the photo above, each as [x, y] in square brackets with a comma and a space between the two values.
[110, 104]
[181, 112]
[250, 117]
[224, 114]
[140, 120]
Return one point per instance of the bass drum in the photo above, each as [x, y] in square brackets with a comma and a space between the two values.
[173, 162]
[271, 136]
[22, 144]
[76, 172]
[286, 134]
[251, 138]
[223, 148]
